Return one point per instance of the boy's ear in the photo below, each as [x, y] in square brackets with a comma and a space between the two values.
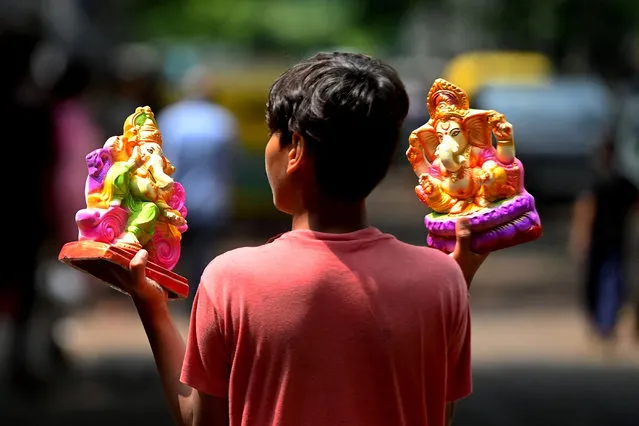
[296, 153]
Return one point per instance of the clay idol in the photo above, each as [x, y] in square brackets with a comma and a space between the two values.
[132, 203]
[466, 164]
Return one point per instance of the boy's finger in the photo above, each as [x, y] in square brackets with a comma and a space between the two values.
[462, 235]
[138, 265]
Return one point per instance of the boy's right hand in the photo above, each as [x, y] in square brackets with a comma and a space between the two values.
[142, 290]
[468, 260]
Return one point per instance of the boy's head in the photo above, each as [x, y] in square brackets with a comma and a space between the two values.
[335, 121]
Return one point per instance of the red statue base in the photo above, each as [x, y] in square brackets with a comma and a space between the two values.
[101, 259]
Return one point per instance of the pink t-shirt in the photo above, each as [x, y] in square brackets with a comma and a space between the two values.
[332, 329]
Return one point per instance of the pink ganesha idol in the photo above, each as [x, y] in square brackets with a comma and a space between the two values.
[132, 203]
[462, 174]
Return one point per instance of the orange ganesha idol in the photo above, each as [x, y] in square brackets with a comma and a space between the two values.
[462, 174]
[132, 203]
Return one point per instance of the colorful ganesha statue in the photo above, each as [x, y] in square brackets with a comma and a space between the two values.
[462, 173]
[132, 201]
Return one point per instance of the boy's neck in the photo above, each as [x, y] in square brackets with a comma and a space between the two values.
[332, 217]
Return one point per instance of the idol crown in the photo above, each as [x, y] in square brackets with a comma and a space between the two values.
[446, 97]
[141, 127]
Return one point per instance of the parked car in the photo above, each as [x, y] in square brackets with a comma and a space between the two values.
[557, 126]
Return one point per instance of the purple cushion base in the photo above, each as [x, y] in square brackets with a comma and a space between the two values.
[488, 218]
[507, 224]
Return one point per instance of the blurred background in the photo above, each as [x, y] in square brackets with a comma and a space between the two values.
[564, 72]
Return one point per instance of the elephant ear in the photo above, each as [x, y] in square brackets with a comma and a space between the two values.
[421, 152]
[478, 131]
[428, 140]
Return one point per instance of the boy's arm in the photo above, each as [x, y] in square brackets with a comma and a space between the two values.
[168, 350]
[469, 263]
[450, 413]
[187, 405]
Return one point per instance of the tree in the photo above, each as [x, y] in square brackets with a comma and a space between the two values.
[285, 25]
[599, 28]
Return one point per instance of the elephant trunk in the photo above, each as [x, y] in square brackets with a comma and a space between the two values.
[449, 159]
[162, 180]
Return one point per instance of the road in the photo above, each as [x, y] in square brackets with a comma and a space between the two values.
[125, 392]
[534, 363]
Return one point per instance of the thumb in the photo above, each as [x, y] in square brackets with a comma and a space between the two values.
[463, 254]
[462, 235]
[138, 266]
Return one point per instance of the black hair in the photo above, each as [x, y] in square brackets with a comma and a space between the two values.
[349, 108]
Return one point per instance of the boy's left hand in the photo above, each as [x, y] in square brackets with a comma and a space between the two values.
[468, 260]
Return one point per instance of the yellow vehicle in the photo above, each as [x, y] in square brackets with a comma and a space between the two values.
[472, 70]
[245, 93]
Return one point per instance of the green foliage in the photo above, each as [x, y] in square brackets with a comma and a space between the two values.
[561, 27]
[556, 27]
[285, 25]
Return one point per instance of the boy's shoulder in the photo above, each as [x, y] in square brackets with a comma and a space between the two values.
[243, 261]
[238, 258]
[276, 254]
[244, 257]
[427, 254]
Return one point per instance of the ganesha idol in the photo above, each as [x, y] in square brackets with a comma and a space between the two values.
[463, 174]
[132, 203]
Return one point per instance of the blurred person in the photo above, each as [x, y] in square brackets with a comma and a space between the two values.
[333, 322]
[599, 241]
[75, 134]
[200, 138]
[28, 144]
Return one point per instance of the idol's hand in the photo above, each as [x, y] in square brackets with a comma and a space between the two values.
[174, 218]
[426, 184]
[484, 177]
[503, 131]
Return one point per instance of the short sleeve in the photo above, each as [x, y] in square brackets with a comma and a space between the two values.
[206, 362]
[458, 370]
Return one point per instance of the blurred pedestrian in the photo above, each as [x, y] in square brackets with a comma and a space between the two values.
[599, 241]
[200, 138]
[75, 134]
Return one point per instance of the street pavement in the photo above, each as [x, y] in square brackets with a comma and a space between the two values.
[553, 334]
[550, 395]
[126, 392]
[534, 360]
[532, 366]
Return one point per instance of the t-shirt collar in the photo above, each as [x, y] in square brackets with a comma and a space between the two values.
[368, 233]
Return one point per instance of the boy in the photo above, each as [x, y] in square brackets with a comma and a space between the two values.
[334, 322]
